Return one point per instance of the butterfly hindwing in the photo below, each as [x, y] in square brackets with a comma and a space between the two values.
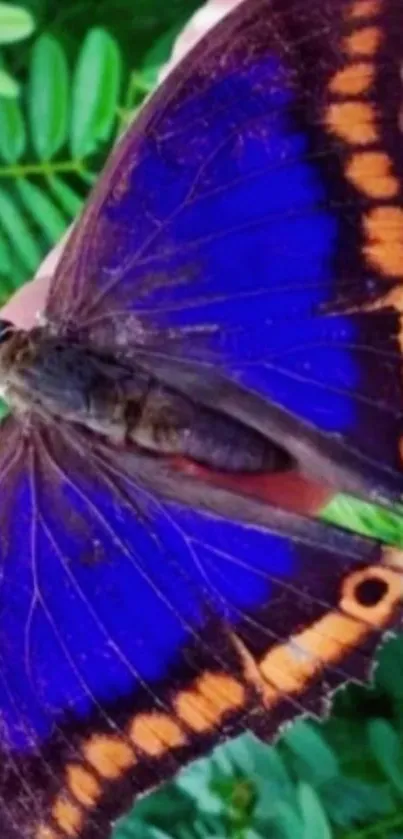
[133, 637]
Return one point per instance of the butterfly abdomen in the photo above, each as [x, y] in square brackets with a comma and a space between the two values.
[171, 424]
[61, 379]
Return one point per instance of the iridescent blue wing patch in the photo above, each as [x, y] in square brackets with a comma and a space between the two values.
[251, 221]
[135, 630]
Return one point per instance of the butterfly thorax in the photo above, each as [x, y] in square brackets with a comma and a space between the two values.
[59, 379]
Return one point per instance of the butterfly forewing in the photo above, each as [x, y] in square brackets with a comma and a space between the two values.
[250, 219]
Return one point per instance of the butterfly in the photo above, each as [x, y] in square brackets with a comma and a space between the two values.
[224, 323]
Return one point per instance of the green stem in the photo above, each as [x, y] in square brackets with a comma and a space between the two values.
[43, 169]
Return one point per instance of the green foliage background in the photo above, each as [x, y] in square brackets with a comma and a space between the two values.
[71, 78]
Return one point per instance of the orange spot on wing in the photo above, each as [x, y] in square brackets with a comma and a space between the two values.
[365, 9]
[363, 42]
[212, 696]
[393, 558]
[68, 816]
[370, 172]
[156, 733]
[223, 691]
[109, 755]
[353, 79]
[383, 227]
[353, 122]
[378, 614]
[83, 785]
[195, 711]
[288, 668]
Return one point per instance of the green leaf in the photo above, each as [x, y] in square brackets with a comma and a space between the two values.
[16, 23]
[196, 782]
[361, 517]
[89, 178]
[316, 760]
[48, 97]
[389, 672]
[286, 823]
[223, 758]
[387, 750]
[70, 202]
[96, 86]
[156, 57]
[12, 130]
[9, 87]
[19, 234]
[5, 256]
[349, 800]
[4, 409]
[316, 824]
[19, 274]
[42, 210]
[264, 765]
[261, 760]
[158, 808]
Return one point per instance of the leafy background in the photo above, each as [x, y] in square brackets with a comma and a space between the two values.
[71, 78]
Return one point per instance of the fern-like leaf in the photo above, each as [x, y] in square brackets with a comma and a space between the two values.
[96, 88]
[48, 101]
[47, 141]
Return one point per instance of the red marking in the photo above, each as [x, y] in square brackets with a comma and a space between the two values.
[289, 490]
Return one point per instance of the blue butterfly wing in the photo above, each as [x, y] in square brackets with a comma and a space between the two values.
[250, 221]
[248, 224]
[135, 630]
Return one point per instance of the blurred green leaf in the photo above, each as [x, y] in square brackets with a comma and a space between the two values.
[96, 86]
[387, 750]
[156, 57]
[18, 231]
[350, 801]
[316, 760]
[16, 23]
[42, 209]
[69, 201]
[316, 824]
[196, 782]
[4, 409]
[364, 518]
[389, 672]
[285, 823]
[12, 131]
[48, 97]
[9, 87]
[5, 256]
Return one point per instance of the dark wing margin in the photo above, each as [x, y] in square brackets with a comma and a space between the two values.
[136, 632]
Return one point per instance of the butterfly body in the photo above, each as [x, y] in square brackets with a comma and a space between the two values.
[59, 378]
[237, 272]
